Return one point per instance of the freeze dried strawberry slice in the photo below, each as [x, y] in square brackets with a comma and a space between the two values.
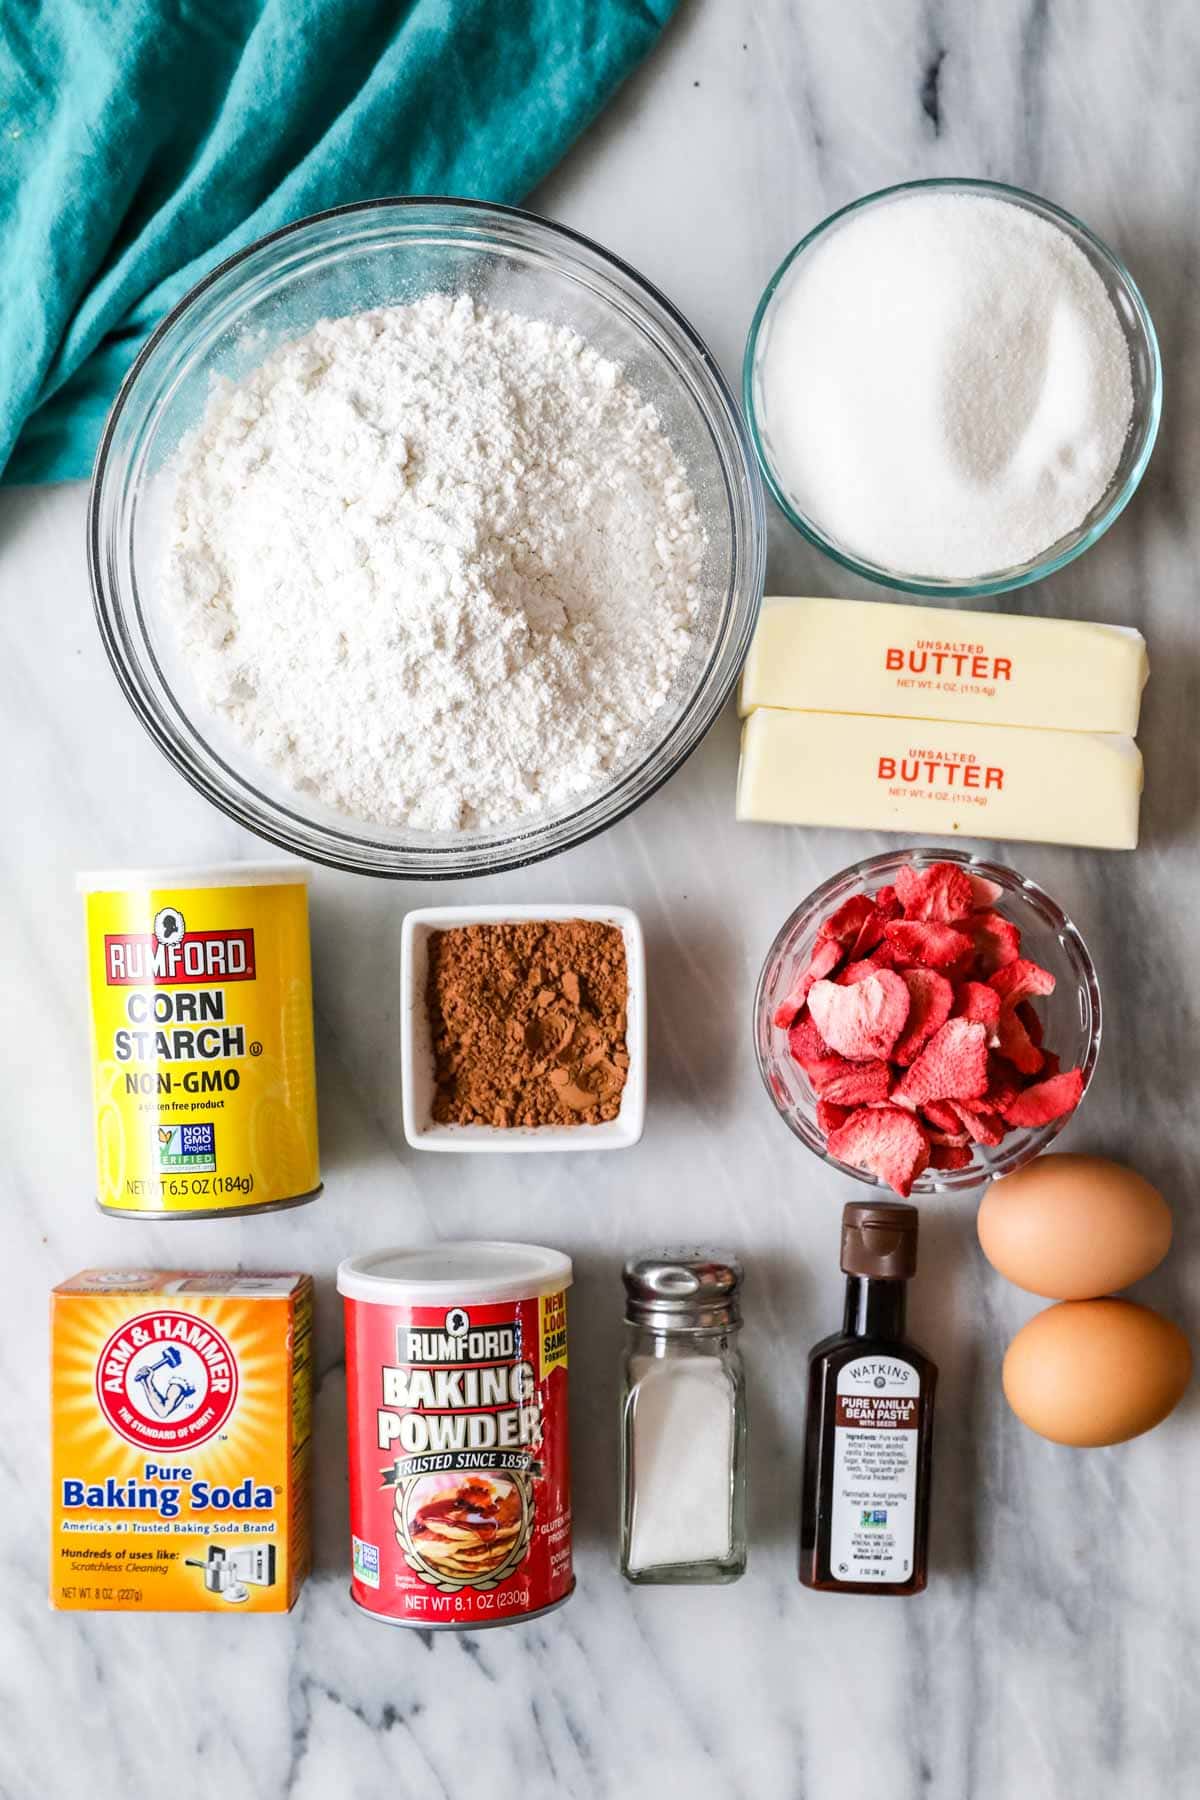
[887, 902]
[982, 1125]
[870, 936]
[1031, 1019]
[985, 893]
[952, 1066]
[854, 972]
[976, 1001]
[1002, 1086]
[954, 1140]
[825, 959]
[1015, 983]
[942, 1117]
[1046, 1100]
[941, 1123]
[845, 922]
[806, 1045]
[852, 1084]
[1015, 1044]
[949, 1156]
[886, 1142]
[857, 924]
[861, 1022]
[941, 892]
[829, 1071]
[997, 941]
[1021, 980]
[829, 1116]
[930, 998]
[932, 945]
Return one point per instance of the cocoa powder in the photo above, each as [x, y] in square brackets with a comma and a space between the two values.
[528, 1022]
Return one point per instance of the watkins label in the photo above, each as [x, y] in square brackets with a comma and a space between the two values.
[459, 1486]
[167, 1380]
[875, 1439]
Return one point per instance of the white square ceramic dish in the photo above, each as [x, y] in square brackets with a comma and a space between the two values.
[417, 1049]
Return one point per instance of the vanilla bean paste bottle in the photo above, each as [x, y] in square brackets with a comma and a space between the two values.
[864, 1518]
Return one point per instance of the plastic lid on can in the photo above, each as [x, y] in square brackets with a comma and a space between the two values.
[466, 1274]
[192, 875]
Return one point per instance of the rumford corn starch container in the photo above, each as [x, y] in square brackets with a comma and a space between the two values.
[456, 1396]
[202, 1039]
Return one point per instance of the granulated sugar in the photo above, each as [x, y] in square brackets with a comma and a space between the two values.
[944, 386]
[436, 565]
[682, 1452]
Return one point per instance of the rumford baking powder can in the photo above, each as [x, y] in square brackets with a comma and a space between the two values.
[202, 1039]
[456, 1381]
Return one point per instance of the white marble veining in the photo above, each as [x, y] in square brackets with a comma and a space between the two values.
[1053, 1656]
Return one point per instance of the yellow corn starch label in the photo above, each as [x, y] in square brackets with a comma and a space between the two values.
[202, 1046]
[180, 1408]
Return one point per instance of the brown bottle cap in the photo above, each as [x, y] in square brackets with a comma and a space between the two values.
[879, 1240]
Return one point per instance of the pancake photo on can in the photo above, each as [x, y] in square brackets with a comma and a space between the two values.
[464, 1530]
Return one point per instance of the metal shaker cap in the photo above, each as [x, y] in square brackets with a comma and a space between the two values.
[690, 1289]
[879, 1240]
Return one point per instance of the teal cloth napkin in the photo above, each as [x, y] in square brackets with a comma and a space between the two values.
[142, 141]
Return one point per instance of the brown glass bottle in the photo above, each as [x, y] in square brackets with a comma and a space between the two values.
[868, 1437]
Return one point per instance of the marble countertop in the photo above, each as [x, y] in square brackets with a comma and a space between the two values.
[1053, 1656]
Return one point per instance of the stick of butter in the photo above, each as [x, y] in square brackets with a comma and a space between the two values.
[982, 781]
[921, 662]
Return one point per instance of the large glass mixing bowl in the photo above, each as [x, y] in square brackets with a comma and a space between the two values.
[391, 252]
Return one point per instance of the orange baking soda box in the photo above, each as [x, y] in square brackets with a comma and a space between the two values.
[180, 1418]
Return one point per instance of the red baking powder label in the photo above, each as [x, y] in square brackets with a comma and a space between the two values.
[460, 1508]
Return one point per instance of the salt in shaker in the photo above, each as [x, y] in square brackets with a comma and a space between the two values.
[683, 1425]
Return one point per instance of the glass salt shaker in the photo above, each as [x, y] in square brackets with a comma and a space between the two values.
[683, 1419]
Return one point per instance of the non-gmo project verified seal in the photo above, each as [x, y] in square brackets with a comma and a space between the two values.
[876, 1515]
[189, 1147]
[366, 1563]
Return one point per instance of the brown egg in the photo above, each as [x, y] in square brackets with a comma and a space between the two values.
[1090, 1372]
[1074, 1227]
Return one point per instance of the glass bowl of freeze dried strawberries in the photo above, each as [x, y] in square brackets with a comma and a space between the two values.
[926, 1020]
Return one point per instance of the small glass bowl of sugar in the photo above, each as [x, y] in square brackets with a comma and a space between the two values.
[953, 387]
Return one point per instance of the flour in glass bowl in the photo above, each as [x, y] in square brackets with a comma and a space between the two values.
[436, 565]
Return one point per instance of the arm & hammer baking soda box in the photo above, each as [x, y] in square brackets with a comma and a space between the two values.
[180, 1415]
